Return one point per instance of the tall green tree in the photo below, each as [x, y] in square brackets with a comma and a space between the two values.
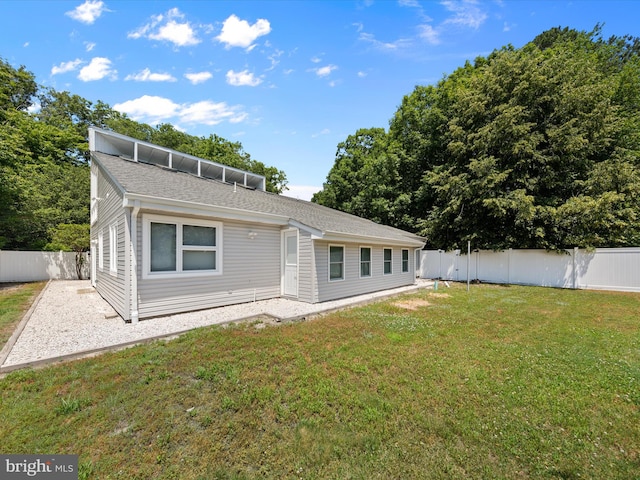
[536, 147]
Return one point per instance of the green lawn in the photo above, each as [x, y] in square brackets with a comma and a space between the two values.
[15, 300]
[501, 382]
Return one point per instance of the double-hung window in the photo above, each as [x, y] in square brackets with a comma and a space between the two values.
[336, 262]
[365, 261]
[405, 260]
[388, 261]
[181, 247]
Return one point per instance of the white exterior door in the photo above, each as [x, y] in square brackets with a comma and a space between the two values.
[290, 261]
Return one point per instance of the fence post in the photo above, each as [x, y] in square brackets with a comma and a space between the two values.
[509, 266]
[575, 267]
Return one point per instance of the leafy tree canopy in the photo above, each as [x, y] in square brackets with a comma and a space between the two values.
[44, 157]
[537, 147]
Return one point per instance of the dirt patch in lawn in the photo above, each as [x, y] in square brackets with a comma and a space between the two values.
[9, 287]
[412, 304]
[439, 295]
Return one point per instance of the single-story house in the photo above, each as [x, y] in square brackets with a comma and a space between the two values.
[173, 233]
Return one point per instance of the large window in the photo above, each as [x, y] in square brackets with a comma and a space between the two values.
[388, 261]
[405, 261]
[336, 262]
[181, 247]
[365, 261]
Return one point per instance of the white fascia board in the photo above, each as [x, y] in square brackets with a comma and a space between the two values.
[181, 207]
[354, 238]
[301, 226]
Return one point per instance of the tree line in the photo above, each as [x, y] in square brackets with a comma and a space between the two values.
[44, 160]
[532, 147]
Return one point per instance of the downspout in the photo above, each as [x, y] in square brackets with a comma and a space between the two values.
[134, 262]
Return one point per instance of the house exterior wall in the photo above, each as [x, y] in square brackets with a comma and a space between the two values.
[250, 271]
[307, 291]
[353, 284]
[110, 284]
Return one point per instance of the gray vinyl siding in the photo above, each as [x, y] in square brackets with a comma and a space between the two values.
[352, 283]
[111, 287]
[250, 271]
[306, 280]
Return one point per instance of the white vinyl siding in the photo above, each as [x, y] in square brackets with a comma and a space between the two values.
[388, 261]
[353, 284]
[101, 250]
[251, 272]
[110, 221]
[180, 247]
[336, 262]
[365, 262]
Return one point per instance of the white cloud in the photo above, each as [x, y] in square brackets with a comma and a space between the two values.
[98, 68]
[275, 59]
[429, 34]
[88, 46]
[25, 44]
[243, 78]
[88, 12]
[65, 67]
[168, 28]
[146, 76]
[324, 71]
[199, 77]
[324, 131]
[211, 113]
[150, 108]
[154, 109]
[384, 46]
[301, 192]
[238, 33]
[466, 13]
[362, 74]
[316, 59]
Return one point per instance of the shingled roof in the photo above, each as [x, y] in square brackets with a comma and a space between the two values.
[160, 183]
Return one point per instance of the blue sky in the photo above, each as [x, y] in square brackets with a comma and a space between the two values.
[288, 79]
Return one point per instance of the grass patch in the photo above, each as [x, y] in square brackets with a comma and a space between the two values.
[504, 382]
[15, 300]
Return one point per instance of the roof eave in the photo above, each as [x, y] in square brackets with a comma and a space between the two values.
[416, 242]
[182, 207]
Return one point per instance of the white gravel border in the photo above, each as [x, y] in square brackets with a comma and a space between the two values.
[72, 320]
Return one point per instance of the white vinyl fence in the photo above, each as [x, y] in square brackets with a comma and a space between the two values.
[599, 269]
[36, 266]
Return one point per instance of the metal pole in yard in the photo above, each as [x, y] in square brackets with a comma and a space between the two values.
[468, 264]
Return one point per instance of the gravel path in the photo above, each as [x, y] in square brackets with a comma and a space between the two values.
[71, 318]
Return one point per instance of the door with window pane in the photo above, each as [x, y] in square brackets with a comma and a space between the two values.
[290, 283]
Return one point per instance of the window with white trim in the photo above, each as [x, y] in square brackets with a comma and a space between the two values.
[181, 247]
[405, 260]
[113, 248]
[336, 262]
[365, 261]
[388, 261]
